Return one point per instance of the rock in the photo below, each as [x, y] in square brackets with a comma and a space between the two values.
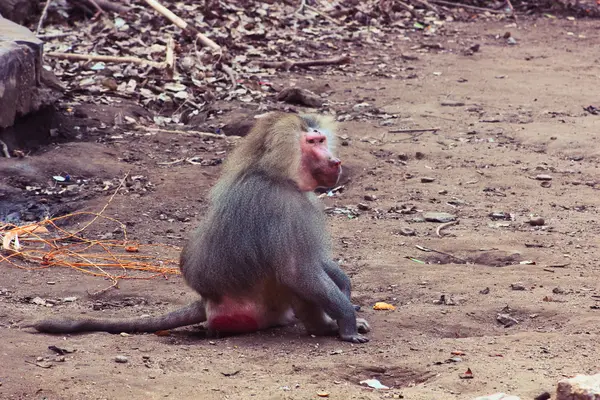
[451, 103]
[19, 11]
[537, 221]
[370, 197]
[517, 286]
[21, 74]
[498, 396]
[543, 177]
[581, 387]
[121, 359]
[506, 320]
[39, 301]
[363, 207]
[438, 217]
[70, 299]
[404, 231]
[427, 179]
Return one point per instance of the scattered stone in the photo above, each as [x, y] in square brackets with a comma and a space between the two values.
[506, 320]
[370, 197]
[70, 299]
[363, 207]
[543, 177]
[511, 41]
[445, 300]
[580, 387]
[558, 290]
[121, 359]
[419, 155]
[404, 231]
[451, 103]
[427, 179]
[546, 184]
[517, 286]
[498, 396]
[537, 221]
[439, 217]
[39, 301]
[485, 291]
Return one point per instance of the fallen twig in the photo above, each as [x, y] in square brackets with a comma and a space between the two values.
[170, 56]
[414, 130]
[288, 64]
[427, 5]
[196, 133]
[231, 73]
[322, 14]
[438, 231]
[180, 23]
[407, 8]
[96, 57]
[452, 4]
[43, 16]
[558, 265]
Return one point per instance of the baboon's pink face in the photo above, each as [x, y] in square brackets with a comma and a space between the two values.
[319, 167]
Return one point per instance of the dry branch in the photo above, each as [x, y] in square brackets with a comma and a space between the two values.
[288, 64]
[180, 23]
[94, 57]
[43, 16]
[453, 4]
[414, 130]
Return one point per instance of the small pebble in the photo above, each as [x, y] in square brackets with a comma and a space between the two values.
[451, 103]
[546, 184]
[419, 155]
[363, 207]
[121, 359]
[543, 177]
[427, 179]
[517, 286]
[537, 221]
[370, 197]
[404, 231]
[70, 299]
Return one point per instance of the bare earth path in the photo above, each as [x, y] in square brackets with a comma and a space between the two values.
[522, 116]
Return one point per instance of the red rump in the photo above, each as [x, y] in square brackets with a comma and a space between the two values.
[234, 323]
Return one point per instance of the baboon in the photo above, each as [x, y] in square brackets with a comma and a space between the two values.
[262, 256]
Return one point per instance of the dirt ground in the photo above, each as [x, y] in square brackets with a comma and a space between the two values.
[522, 116]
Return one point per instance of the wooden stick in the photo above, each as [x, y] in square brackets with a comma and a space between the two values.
[43, 17]
[322, 14]
[288, 64]
[232, 75]
[95, 57]
[180, 23]
[449, 3]
[414, 130]
[170, 57]
[428, 5]
[407, 8]
[196, 133]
